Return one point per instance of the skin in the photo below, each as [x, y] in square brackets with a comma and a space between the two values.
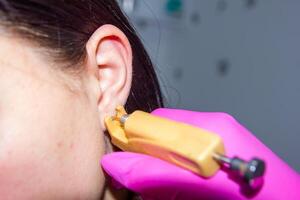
[52, 123]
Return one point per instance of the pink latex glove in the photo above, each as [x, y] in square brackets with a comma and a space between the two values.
[155, 179]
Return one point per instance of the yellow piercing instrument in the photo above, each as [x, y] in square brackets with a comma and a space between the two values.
[184, 145]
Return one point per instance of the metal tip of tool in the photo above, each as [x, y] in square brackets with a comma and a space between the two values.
[251, 171]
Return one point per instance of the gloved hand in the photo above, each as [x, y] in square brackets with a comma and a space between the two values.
[156, 179]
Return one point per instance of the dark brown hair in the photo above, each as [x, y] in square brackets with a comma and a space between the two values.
[64, 26]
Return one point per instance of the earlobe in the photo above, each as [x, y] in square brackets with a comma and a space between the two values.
[110, 62]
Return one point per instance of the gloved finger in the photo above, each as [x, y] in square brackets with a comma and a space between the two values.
[156, 179]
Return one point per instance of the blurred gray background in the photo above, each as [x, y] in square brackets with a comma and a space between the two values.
[236, 56]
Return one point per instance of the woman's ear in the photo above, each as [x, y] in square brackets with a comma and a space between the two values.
[109, 64]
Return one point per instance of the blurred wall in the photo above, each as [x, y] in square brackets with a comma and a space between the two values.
[237, 56]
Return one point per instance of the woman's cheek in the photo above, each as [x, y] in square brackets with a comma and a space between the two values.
[49, 160]
[50, 144]
[21, 173]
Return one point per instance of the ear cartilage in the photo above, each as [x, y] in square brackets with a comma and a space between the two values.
[184, 145]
